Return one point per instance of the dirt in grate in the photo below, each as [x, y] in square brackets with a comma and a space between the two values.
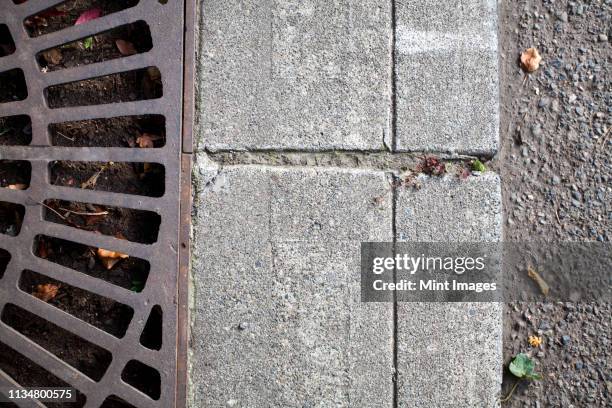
[147, 179]
[129, 273]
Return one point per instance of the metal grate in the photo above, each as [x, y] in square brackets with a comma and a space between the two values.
[166, 22]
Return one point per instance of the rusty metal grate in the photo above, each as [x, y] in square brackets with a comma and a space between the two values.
[161, 296]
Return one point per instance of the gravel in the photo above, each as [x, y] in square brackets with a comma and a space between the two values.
[556, 181]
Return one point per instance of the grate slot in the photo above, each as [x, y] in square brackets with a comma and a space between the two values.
[138, 178]
[103, 313]
[123, 131]
[142, 377]
[133, 225]
[151, 336]
[129, 86]
[12, 86]
[86, 357]
[15, 130]
[11, 218]
[130, 273]
[15, 174]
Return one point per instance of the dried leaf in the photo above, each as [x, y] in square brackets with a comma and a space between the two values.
[535, 341]
[53, 56]
[125, 47]
[109, 258]
[533, 274]
[530, 60]
[46, 292]
[88, 15]
[145, 141]
[17, 186]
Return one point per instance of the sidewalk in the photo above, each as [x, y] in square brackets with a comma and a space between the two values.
[306, 95]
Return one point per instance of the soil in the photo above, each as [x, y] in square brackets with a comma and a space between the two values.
[15, 130]
[130, 178]
[114, 132]
[133, 225]
[555, 166]
[145, 179]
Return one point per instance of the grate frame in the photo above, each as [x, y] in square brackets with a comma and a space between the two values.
[171, 25]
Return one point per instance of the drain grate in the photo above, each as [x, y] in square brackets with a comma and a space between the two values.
[73, 198]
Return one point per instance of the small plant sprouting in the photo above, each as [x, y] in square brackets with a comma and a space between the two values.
[522, 367]
[477, 165]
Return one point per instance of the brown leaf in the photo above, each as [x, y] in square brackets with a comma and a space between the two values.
[530, 60]
[145, 141]
[53, 56]
[110, 258]
[46, 292]
[125, 47]
[533, 274]
[17, 186]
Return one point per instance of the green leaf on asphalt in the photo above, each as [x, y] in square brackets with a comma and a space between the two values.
[522, 367]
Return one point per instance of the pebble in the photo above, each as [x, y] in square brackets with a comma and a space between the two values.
[565, 339]
[602, 38]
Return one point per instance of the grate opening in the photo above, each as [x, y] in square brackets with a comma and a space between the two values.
[123, 131]
[126, 40]
[15, 130]
[5, 258]
[11, 218]
[28, 374]
[134, 225]
[115, 402]
[151, 336]
[7, 45]
[145, 179]
[142, 377]
[12, 86]
[99, 311]
[67, 13]
[129, 86]
[86, 357]
[129, 273]
[15, 174]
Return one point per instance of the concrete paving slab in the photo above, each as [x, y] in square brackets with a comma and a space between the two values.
[276, 316]
[308, 75]
[446, 76]
[449, 354]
